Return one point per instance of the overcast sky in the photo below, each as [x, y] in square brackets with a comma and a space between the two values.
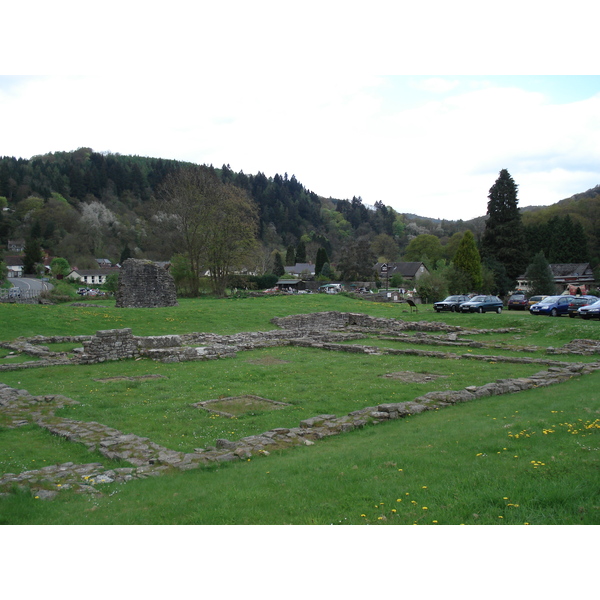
[422, 143]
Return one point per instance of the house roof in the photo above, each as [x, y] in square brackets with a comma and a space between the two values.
[569, 272]
[96, 272]
[406, 269]
[13, 261]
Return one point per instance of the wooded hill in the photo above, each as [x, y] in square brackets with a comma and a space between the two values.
[83, 205]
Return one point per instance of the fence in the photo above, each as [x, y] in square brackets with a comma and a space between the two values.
[22, 296]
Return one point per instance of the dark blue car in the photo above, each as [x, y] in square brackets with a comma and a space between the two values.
[554, 306]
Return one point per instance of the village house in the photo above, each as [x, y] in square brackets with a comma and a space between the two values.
[567, 278]
[16, 245]
[300, 269]
[91, 276]
[411, 272]
[15, 265]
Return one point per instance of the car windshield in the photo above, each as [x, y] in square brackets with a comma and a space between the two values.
[594, 305]
[518, 297]
[550, 300]
[478, 299]
[453, 298]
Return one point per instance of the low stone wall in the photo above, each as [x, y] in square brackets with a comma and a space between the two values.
[150, 459]
[333, 320]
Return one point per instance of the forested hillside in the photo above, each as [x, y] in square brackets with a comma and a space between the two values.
[83, 205]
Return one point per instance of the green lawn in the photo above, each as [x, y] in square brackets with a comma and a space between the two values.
[530, 457]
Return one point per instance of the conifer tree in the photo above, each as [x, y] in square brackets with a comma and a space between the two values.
[321, 259]
[278, 268]
[539, 276]
[290, 256]
[467, 261]
[503, 240]
[300, 252]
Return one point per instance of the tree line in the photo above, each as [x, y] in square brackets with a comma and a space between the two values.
[84, 205]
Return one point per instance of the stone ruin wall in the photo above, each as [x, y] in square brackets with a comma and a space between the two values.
[144, 284]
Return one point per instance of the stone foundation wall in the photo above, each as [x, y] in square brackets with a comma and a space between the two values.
[110, 344]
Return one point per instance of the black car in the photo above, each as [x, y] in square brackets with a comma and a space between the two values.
[518, 302]
[451, 303]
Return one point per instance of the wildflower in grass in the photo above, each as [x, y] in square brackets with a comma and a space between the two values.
[425, 508]
[434, 521]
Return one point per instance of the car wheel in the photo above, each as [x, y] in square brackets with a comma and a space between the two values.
[453, 309]
[437, 310]
[554, 313]
[572, 315]
[499, 310]
[480, 310]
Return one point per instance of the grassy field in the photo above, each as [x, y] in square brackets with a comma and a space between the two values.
[527, 458]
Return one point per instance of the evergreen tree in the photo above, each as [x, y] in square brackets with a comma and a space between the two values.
[321, 259]
[468, 261]
[503, 240]
[539, 276]
[300, 252]
[33, 256]
[278, 268]
[290, 256]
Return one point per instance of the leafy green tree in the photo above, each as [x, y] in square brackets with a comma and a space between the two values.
[278, 267]
[385, 246]
[397, 280]
[539, 276]
[357, 261]
[426, 248]
[186, 281]
[60, 267]
[112, 283]
[432, 287]
[503, 241]
[468, 261]
[216, 223]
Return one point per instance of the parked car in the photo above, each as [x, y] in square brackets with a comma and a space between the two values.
[451, 303]
[482, 304]
[554, 306]
[14, 292]
[534, 300]
[590, 310]
[577, 302]
[517, 302]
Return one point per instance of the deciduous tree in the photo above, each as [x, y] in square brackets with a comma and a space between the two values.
[216, 222]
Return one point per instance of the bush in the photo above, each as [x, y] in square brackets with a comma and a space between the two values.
[61, 292]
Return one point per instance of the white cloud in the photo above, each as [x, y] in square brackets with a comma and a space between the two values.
[436, 85]
[340, 135]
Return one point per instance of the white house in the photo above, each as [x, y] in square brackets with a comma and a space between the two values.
[91, 276]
